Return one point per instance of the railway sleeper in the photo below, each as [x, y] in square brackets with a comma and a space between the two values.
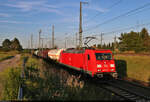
[132, 97]
[125, 93]
[129, 96]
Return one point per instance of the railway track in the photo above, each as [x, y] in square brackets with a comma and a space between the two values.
[128, 91]
[124, 89]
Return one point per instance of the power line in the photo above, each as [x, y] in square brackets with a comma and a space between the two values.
[122, 15]
[114, 4]
[119, 30]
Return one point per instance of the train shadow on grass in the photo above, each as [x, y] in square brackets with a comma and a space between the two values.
[149, 81]
[121, 68]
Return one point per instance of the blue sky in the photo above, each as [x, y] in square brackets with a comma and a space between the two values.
[21, 18]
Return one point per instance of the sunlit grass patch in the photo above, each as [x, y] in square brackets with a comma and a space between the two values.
[7, 55]
[44, 81]
[137, 66]
[10, 81]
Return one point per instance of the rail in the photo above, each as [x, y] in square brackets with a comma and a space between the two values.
[125, 93]
[22, 75]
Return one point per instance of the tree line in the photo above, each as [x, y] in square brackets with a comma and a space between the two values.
[132, 41]
[11, 45]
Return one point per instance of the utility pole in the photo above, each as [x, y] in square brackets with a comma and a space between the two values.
[53, 36]
[73, 41]
[101, 39]
[49, 44]
[115, 43]
[28, 44]
[137, 25]
[45, 46]
[66, 40]
[42, 43]
[31, 41]
[40, 38]
[80, 24]
[76, 39]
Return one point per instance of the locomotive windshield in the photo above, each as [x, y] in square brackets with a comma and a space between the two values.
[103, 56]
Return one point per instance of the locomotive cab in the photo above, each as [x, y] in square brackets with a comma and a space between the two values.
[105, 64]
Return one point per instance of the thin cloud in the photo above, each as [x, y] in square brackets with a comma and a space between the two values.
[70, 19]
[14, 22]
[4, 15]
[98, 9]
[35, 6]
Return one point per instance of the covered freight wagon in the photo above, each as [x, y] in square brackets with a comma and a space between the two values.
[55, 53]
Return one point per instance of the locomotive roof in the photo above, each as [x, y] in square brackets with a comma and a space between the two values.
[83, 50]
[74, 51]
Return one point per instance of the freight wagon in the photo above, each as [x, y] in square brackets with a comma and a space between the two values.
[43, 53]
[55, 54]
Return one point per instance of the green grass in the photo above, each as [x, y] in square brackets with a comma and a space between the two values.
[10, 81]
[7, 55]
[5, 58]
[47, 82]
[137, 67]
[9, 77]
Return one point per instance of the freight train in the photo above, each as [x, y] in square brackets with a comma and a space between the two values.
[93, 62]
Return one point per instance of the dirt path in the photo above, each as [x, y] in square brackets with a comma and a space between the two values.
[10, 62]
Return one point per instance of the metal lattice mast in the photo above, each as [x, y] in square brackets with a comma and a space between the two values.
[80, 24]
[76, 39]
[102, 39]
[31, 41]
[115, 43]
[40, 38]
[53, 36]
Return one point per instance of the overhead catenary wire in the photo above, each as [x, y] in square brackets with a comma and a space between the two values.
[117, 17]
[111, 6]
[119, 30]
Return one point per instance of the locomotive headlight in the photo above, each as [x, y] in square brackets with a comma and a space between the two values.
[112, 65]
[98, 70]
[99, 66]
[111, 69]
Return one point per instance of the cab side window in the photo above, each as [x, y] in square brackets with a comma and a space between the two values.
[88, 57]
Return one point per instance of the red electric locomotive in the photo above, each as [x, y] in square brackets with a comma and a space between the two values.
[93, 62]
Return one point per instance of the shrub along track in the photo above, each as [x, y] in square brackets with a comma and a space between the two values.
[124, 89]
